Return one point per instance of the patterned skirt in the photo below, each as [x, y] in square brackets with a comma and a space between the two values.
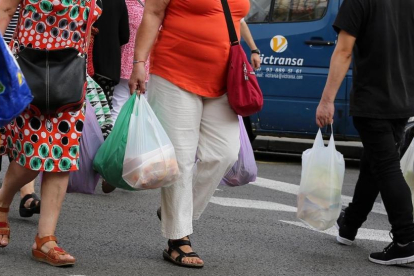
[44, 143]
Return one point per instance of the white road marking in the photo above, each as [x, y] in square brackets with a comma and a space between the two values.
[294, 189]
[252, 204]
[363, 233]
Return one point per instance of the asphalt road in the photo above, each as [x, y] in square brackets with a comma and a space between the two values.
[249, 230]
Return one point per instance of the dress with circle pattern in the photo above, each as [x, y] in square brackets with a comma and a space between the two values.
[43, 142]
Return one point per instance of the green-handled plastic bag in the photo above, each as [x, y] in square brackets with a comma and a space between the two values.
[109, 160]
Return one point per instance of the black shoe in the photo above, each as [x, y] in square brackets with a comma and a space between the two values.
[107, 188]
[394, 254]
[347, 234]
[34, 207]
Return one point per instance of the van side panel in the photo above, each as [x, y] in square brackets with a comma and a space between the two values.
[295, 64]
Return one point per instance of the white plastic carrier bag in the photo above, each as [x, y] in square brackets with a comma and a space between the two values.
[149, 160]
[407, 167]
[319, 197]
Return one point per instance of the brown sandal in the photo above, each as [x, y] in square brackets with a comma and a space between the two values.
[4, 226]
[51, 257]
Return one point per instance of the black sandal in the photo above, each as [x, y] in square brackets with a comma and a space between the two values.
[175, 246]
[34, 207]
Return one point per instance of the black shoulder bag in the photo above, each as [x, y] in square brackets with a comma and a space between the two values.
[57, 78]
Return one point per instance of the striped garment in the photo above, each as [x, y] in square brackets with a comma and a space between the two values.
[12, 26]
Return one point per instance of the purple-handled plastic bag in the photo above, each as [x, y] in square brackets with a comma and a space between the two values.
[244, 170]
[85, 180]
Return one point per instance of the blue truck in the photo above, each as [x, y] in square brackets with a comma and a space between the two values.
[296, 40]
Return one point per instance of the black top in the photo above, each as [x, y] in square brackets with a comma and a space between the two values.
[113, 33]
[383, 71]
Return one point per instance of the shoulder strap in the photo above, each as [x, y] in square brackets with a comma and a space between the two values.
[89, 25]
[230, 23]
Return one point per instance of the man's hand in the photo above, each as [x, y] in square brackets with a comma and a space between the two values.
[325, 113]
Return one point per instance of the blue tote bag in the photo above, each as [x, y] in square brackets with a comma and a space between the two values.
[15, 94]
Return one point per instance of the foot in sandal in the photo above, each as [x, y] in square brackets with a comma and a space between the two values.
[180, 253]
[4, 227]
[47, 251]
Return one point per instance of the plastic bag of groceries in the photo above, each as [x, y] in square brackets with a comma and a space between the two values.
[319, 198]
[149, 160]
[244, 170]
[407, 167]
[110, 156]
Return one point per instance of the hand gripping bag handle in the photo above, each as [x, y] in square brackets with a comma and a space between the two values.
[332, 140]
[318, 143]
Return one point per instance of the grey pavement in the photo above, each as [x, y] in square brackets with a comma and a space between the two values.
[119, 234]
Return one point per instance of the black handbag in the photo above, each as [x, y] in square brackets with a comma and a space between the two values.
[57, 78]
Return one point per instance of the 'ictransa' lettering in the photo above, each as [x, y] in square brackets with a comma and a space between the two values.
[272, 60]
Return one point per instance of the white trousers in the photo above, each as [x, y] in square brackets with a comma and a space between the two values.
[197, 126]
[121, 96]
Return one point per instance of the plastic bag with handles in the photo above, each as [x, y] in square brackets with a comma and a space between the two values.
[407, 167]
[319, 197]
[150, 160]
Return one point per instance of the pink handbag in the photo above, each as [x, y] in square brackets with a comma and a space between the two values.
[243, 91]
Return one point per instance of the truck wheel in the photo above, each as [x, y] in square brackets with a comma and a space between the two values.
[248, 126]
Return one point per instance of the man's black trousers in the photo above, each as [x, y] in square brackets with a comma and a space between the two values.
[380, 172]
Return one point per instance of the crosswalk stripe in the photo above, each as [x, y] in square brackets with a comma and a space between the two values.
[252, 204]
[363, 233]
[294, 189]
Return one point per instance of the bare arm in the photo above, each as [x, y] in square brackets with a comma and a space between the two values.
[154, 13]
[7, 10]
[340, 61]
[247, 36]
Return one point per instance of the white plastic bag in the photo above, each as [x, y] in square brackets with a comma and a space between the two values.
[319, 198]
[149, 160]
[407, 167]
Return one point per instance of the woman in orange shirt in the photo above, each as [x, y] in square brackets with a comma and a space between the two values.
[187, 91]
